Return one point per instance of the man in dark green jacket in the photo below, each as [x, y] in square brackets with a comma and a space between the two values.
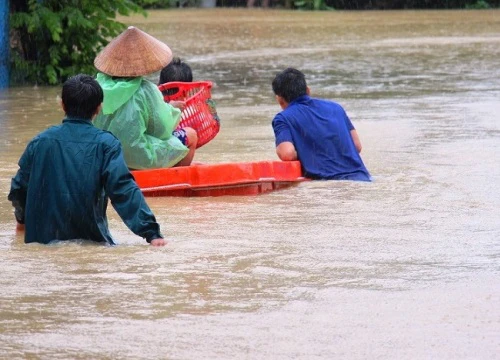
[67, 173]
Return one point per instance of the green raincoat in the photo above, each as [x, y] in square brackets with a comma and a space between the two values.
[135, 112]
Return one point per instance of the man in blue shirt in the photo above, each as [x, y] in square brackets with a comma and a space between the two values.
[67, 173]
[316, 132]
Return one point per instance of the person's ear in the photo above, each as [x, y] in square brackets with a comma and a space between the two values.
[282, 102]
[62, 106]
[308, 91]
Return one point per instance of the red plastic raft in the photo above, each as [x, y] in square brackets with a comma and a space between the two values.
[242, 178]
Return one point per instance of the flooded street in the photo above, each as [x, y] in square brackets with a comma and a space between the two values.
[405, 267]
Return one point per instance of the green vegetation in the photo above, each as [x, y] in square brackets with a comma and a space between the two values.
[54, 39]
[312, 5]
[480, 4]
[156, 4]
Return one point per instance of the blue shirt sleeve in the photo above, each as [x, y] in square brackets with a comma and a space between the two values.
[348, 122]
[126, 197]
[281, 129]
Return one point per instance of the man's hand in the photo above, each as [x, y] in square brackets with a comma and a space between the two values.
[19, 227]
[158, 242]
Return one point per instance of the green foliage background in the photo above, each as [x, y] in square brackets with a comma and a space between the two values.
[54, 39]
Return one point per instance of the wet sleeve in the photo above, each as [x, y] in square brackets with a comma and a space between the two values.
[19, 184]
[126, 197]
[281, 129]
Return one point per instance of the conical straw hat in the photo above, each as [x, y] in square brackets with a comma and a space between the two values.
[133, 53]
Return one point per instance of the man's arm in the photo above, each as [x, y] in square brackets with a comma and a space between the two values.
[19, 186]
[354, 133]
[355, 138]
[127, 198]
[286, 151]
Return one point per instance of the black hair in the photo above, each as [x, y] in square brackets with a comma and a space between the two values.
[177, 70]
[81, 96]
[290, 84]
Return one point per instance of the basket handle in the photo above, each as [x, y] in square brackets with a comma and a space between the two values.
[181, 88]
[180, 84]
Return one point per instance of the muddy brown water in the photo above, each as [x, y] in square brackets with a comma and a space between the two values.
[405, 267]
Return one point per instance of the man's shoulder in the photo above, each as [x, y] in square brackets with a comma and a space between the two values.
[94, 134]
[90, 134]
[107, 137]
[50, 130]
[281, 116]
[48, 133]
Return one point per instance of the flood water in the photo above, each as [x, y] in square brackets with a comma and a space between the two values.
[405, 267]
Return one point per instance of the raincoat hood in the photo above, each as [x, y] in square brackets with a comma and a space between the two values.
[117, 91]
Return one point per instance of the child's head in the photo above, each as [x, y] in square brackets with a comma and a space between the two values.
[290, 84]
[177, 70]
[81, 96]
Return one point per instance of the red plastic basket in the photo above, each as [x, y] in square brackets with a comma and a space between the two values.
[199, 113]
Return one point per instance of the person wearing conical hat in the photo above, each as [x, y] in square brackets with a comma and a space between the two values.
[134, 110]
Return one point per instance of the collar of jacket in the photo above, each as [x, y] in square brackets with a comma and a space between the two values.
[78, 120]
[300, 99]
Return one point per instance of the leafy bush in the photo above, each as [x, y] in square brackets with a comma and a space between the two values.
[54, 39]
[156, 4]
[165, 4]
[312, 5]
[480, 4]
